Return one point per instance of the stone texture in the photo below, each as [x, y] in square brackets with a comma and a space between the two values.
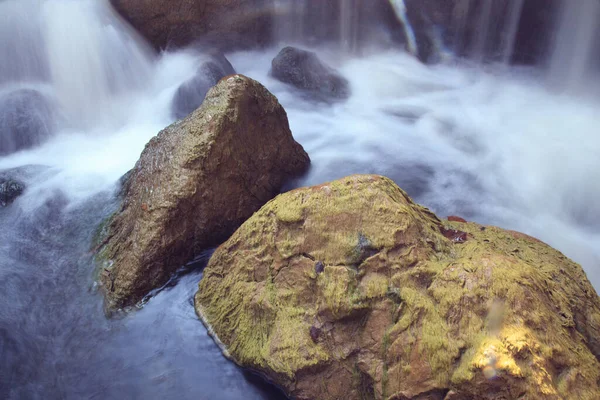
[10, 189]
[225, 24]
[194, 184]
[350, 290]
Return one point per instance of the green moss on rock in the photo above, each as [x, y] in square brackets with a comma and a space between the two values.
[352, 284]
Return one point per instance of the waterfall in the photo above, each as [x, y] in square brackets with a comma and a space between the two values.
[512, 27]
[400, 9]
[79, 49]
[576, 43]
[487, 29]
[348, 25]
[490, 144]
[349, 20]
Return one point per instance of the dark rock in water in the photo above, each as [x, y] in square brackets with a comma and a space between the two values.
[304, 70]
[26, 120]
[14, 181]
[9, 190]
[227, 24]
[208, 173]
[191, 94]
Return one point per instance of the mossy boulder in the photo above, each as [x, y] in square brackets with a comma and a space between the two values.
[194, 184]
[350, 290]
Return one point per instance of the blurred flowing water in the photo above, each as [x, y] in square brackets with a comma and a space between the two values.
[492, 143]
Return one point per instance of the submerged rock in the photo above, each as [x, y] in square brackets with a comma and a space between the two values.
[350, 290]
[26, 120]
[304, 70]
[194, 184]
[191, 93]
[10, 189]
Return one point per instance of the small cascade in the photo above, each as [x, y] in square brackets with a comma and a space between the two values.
[349, 25]
[512, 28]
[482, 30]
[576, 44]
[349, 22]
[486, 30]
[21, 46]
[78, 49]
[411, 40]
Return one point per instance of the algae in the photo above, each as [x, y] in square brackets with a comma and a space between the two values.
[396, 303]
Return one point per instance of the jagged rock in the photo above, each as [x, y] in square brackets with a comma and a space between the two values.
[191, 93]
[194, 184]
[26, 120]
[398, 310]
[304, 70]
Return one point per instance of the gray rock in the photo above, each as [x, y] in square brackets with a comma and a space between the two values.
[26, 120]
[191, 93]
[304, 70]
[10, 189]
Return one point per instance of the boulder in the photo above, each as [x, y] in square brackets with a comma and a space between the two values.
[26, 120]
[191, 93]
[194, 184]
[224, 24]
[350, 290]
[304, 70]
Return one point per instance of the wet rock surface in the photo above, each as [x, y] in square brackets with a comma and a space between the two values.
[223, 24]
[10, 189]
[191, 94]
[304, 70]
[350, 290]
[26, 120]
[194, 184]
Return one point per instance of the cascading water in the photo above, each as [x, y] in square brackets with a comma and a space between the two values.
[399, 8]
[85, 74]
[495, 146]
[577, 44]
[350, 25]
